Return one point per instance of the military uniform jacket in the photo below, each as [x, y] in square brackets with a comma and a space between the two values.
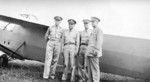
[54, 34]
[95, 43]
[71, 37]
[84, 36]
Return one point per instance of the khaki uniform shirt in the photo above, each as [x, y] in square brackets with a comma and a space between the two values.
[84, 36]
[95, 42]
[54, 34]
[71, 37]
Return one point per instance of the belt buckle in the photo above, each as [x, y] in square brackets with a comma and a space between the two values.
[69, 43]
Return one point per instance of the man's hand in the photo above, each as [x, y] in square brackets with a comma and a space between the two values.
[91, 50]
[47, 39]
[95, 53]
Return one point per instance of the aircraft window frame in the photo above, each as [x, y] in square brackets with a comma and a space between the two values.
[7, 26]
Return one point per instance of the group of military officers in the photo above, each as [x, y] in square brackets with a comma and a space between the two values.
[87, 44]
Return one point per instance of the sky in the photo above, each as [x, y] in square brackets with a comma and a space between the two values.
[129, 18]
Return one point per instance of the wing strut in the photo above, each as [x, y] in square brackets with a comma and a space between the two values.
[18, 48]
[12, 53]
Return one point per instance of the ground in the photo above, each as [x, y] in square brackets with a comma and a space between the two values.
[32, 71]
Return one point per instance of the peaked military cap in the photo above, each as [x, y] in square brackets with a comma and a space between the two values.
[58, 18]
[95, 19]
[86, 21]
[71, 21]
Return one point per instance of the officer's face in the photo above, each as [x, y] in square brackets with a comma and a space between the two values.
[57, 22]
[94, 23]
[71, 26]
[86, 26]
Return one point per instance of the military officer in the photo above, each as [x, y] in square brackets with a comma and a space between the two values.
[53, 48]
[70, 48]
[94, 51]
[84, 39]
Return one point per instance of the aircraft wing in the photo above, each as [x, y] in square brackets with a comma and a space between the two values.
[17, 19]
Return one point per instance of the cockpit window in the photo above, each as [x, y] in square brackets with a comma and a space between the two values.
[6, 26]
[10, 27]
[3, 24]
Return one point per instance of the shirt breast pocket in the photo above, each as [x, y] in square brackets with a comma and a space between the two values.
[52, 33]
[58, 34]
[74, 36]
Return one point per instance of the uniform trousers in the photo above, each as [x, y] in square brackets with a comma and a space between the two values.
[93, 69]
[82, 55]
[69, 57]
[52, 55]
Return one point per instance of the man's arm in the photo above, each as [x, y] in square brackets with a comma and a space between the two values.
[47, 33]
[77, 43]
[62, 41]
[99, 41]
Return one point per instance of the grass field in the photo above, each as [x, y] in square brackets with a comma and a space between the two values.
[32, 71]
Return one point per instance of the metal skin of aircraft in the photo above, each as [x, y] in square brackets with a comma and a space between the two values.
[121, 55]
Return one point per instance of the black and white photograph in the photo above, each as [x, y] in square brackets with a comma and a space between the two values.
[74, 41]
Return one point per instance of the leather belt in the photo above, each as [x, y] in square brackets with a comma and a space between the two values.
[69, 43]
[84, 44]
